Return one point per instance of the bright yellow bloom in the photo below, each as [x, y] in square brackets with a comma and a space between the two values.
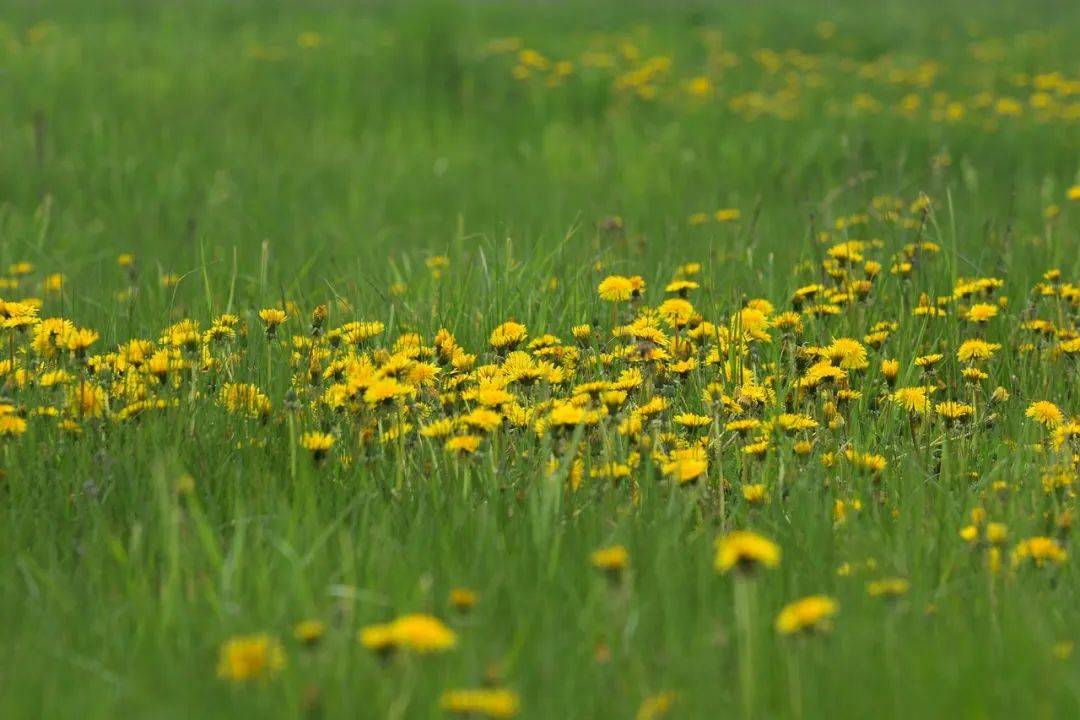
[745, 550]
[1046, 413]
[686, 465]
[250, 657]
[610, 559]
[976, 350]
[1039, 551]
[11, 425]
[318, 443]
[889, 370]
[507, 336]
[953, 411]
[616, 288]
[272, 317]
[463, 444]
[847, 354]
[87, 400]
[422, 634]
[913, 399]
[809, 614]
[386, 391]
[981, 313]
[755, 494]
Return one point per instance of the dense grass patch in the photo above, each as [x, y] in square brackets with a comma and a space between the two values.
[356, 355]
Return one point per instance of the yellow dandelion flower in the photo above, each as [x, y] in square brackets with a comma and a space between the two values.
[318, 443]
[462, 599]
[613, 559]
[808, 615]
[913, 399]
[1045, 413]
[463, 444]
[1039, 551]
[745, 550]
[616, 288]
[981, 313]
[309, 632]
[423, 634]
[250, 657]
[272, 318]
[755, 494]
[507, 336]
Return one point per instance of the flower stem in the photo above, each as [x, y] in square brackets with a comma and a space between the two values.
[744, 620]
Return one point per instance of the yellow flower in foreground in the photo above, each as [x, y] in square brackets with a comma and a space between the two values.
[507, 336]
[319, 443]
[615, 288]
[486, 702]
[1045, 412]
[755, 494]
[745, 550]
[1040, 551]
[913, 399]
[463, 444]
[809, 614]
[386, 390]
[1073, 193]
[272, 317]
[981, 313]
[952, 411]
[423, 634]
[11, 425]
[685, 467]
[976, 350]
[87, 401]
[250, 657]
[889, 370]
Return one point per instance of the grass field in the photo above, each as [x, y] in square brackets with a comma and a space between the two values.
[507, 358]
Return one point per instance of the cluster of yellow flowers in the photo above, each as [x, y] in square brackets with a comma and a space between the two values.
[661, 386]
[740, 407]
[247, 658]
[789, 84]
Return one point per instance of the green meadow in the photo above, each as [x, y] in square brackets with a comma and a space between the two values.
[429, 359]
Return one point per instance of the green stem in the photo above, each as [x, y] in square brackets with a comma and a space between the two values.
[795, 693]
[744, 620]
